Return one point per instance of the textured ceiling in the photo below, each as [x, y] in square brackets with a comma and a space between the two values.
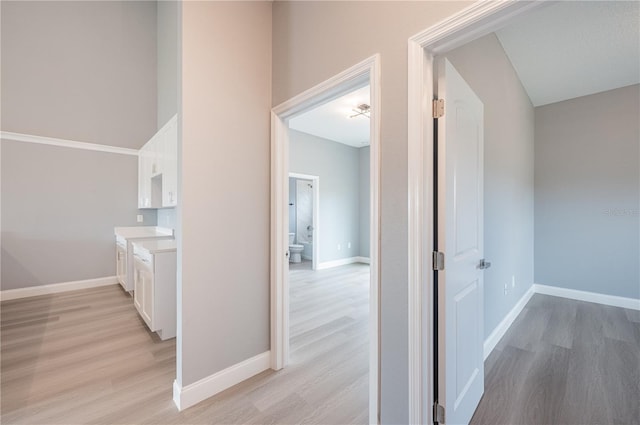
[575, 48]
[331, 120]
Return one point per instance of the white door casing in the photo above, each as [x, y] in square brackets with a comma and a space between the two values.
[460, 238]
[359, 75]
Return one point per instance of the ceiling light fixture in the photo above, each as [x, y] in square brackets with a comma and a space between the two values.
[361, 110]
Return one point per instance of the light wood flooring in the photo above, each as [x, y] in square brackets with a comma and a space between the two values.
[85, 357]
[565, 362]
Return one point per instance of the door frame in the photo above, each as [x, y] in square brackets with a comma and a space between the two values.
[364, 73]
[315, 243]
[477, 20]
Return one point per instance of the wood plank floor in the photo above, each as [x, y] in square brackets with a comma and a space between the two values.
[85, 357]
[565, 362]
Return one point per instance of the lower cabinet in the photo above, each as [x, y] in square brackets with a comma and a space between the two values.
[121, 264]
[154, 293]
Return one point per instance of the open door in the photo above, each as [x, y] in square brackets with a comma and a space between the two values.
[460, 319]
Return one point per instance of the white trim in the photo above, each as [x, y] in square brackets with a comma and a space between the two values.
[55, 288]
[480, 18]
[502, 328]
[342, 262]
[361, 74]
[189, 395]
[592, 297]
[29, 138]
[315, 244]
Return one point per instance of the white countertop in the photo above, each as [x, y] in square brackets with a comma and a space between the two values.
[156, 245]
[138, 232]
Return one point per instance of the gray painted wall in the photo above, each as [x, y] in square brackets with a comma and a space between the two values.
[508, 168]
[587, 193]
[338, 167]
[313, 41]
[226, 99]
[167, 53]
[364, 194]
[59, 208]
[82, 71]
[167, 218]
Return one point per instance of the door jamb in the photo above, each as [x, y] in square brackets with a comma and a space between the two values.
[359, 75]
[316, 216]
[479, 19]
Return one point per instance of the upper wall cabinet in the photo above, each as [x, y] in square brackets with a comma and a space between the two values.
[158, 168]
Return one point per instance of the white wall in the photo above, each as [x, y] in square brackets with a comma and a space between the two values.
[315, 40]
[223, 286]
[587, 193]
[508, 168]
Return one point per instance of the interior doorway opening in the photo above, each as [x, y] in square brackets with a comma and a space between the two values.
[331, 257]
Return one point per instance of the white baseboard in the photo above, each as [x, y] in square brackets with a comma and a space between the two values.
[54, 288]
[502, 328]
[342, 262]
[185, 397]
[592, 297]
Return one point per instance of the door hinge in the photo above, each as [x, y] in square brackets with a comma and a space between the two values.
[438, 260]
[438, 413]
[438, 108]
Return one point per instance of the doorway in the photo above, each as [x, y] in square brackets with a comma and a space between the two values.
[476, 20]
[304, 219]
[360, 75]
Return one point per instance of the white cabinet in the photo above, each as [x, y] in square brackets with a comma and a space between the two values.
[143, 290]
[158, 168]
[154, 296]
[125, 237]
[121, 263]
[170, 165]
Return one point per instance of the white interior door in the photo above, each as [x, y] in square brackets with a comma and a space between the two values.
[460, 238]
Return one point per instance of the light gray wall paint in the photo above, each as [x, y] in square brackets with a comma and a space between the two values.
[226, 99]
[59, 208]
[364, 194]
[587, 193]
[337, 165]
[313, 41]
[508, 173]
[167, 52]
[81, 71]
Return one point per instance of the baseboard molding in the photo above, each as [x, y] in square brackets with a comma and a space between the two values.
[52, 141]
[192, 394]
[55, 288]
[592, 297]
[502, 328]
[342, 262]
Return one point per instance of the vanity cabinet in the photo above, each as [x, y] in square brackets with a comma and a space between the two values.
[154, 296]
[158, 168]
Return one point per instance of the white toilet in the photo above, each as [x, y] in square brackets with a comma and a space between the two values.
[295, 251]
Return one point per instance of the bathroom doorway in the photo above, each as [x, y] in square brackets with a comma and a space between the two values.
[304, 220]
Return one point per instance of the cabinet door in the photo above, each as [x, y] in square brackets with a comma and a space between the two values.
[121, 265]
[170, 167]
[147, 297]
[138, 287]
[144, 177]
